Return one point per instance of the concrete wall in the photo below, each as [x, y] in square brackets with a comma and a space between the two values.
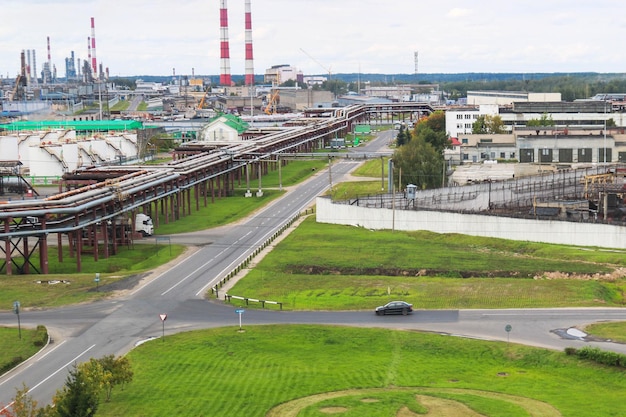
[547, 231]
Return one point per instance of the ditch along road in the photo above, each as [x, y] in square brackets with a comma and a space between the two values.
[114, 326]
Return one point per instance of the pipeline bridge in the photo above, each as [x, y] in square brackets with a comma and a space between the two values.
[97, 211]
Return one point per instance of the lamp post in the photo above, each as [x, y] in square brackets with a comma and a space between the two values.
[604, 130]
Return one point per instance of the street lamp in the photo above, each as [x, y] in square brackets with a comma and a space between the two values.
[604, 131]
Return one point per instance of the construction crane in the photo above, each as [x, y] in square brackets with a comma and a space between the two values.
[272, 102]
[318, 63]
[204, 96]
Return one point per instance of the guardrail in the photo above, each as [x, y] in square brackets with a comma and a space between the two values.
[254, 300]
[243, 264]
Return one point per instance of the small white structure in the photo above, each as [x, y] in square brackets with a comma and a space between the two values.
[223, 128]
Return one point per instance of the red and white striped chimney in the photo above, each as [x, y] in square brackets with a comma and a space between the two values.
[49, 58]
[94, 63]
[249, 57]
[89, 49]
[225, 78]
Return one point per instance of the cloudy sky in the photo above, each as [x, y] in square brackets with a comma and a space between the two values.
[153, 37]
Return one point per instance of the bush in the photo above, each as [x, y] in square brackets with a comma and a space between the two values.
[41, 336]
[602, 357]
[570, 351]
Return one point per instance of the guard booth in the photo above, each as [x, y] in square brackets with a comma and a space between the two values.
[411, 190]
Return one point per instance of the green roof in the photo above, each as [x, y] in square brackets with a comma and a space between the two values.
[78, 125]
[232, 121]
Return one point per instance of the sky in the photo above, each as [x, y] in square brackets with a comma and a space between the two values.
[159, 37]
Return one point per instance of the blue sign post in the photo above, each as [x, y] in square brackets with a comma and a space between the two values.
[240, 312]
[16, 310]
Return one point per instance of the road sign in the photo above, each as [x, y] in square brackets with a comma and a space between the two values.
[508, 328]
[16, 310]
[240, 311]
[163, 317]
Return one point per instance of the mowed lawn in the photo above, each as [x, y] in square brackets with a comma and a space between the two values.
[323, 266]
[224, 372]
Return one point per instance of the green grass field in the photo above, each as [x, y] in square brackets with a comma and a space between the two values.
[308, 371]
[63, 286]
[17, 346]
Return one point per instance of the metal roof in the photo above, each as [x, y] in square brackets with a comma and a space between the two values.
[78, 125]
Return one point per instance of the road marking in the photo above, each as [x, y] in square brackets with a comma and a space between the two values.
[30, 363]
[204, 265]
[63, 367]
[51, 350]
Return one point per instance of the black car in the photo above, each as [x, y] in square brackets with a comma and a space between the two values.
[395, 307]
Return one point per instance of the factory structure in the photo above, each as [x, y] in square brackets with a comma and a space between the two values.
[85, 129]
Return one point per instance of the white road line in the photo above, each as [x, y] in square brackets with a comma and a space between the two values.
[30, 363]
[63, 367]
[204, 265]
[51, 350]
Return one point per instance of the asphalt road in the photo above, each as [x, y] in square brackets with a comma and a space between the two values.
[115, 326]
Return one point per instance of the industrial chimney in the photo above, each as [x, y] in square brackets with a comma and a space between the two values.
[94, 63]
[249, 58]
[225, 78]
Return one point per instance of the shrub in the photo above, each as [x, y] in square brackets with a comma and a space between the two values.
[602, 357]
[41, 336]
[570, 351]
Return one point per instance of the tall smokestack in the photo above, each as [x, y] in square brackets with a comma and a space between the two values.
[28, 74]
[225, 78]
[49, 58]
[35, 67]
[89, 49]
[23, 67]
[48, 71]
[94, 63]
[249, 59]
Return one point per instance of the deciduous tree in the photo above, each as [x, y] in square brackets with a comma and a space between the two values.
[420, 164]
[79, 397]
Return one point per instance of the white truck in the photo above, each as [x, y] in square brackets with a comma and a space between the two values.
[143, 224]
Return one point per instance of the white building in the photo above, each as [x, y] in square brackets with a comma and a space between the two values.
[279, 74]
[223, 128]
[508, 97]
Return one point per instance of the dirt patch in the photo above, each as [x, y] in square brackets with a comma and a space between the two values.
[333, 410]
[437, 407]
[616, 275]
[401, 272]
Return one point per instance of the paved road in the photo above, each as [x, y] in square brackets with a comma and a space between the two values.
[115, 326]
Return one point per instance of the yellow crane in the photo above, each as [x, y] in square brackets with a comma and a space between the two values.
[272, 102]
[206, 93]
